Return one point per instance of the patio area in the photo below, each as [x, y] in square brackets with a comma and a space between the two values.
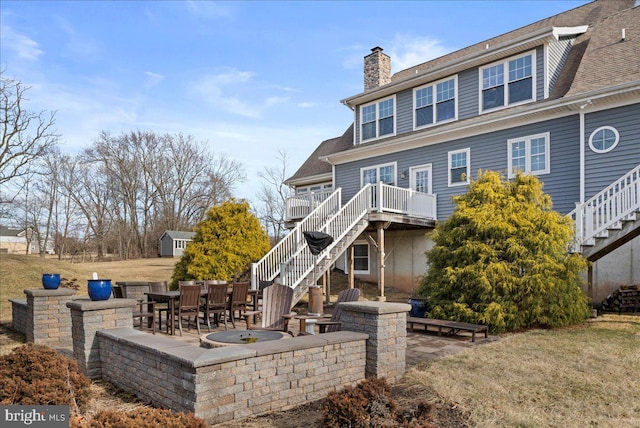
[422, 347]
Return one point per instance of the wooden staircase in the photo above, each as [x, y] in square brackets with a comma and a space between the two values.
[609, 219]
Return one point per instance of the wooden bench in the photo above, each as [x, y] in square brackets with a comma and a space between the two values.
[451, 327]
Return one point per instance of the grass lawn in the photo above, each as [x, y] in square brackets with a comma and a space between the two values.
[587, 375]
[19, 272]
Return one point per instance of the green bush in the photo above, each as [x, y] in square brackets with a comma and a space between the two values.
[38, 375]
[501, 259]
[225, 245]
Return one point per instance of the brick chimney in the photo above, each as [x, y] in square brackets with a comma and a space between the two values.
[377, 69]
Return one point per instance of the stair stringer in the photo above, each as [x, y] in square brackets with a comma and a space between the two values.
[328, 258]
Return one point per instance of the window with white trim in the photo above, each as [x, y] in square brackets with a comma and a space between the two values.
[420, 179]
[428, 109]
[517, 87]
[322, 187]
[604, 139]
[378, 119]
[459, 167]
[361, 258]
[373, 174]
[529, 155]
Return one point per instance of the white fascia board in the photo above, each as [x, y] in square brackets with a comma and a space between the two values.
[569, 31]
[512, 47]
[625, 94]
[313, 179]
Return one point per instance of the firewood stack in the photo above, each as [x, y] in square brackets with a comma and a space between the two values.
[626, 298]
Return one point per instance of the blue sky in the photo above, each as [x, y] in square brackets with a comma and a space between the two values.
[249, 78]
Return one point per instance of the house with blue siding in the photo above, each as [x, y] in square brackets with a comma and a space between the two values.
[559, 98]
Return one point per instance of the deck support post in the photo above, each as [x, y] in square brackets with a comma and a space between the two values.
[380, 227]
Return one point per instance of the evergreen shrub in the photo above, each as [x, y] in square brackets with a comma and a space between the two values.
[501, 259]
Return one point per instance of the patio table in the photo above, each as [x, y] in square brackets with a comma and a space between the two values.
[173, 296]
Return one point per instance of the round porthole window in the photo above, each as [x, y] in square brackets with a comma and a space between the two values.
[604, 139]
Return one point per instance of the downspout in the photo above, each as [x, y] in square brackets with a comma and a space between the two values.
[582, 155]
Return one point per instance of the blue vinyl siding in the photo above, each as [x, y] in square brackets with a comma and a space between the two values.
[404, 111]
[540, 70]
[468, 100]
[601, 169]
[557, 51]
[488, 152]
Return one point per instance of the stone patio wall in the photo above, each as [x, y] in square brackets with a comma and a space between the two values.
[232, 382]
[19, 315]
[48, 321]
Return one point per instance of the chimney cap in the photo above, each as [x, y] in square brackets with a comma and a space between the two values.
[377, 49]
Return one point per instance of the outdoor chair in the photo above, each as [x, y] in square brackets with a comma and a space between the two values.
[216, 303]
[189, 306]
[239, 293]
[117, 292]
[277, 301]
[329, 324]
[160, 287]
[144, 310]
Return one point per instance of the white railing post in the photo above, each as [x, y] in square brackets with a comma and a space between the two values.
[379, 196]
[254, 276]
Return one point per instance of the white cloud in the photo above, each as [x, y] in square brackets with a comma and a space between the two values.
[406, 51]
[22, 45]
[153, 79]
[306, 104]
[235, 92]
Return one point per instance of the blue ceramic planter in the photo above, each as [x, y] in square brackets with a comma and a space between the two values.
[99, 289]
[51, 281]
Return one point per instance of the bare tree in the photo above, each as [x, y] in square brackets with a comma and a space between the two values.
[159, 182]
[273, 195]
[26, 136]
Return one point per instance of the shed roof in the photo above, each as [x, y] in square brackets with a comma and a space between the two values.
[178, 234]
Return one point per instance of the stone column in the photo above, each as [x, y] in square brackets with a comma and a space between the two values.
[386, 325]
[87, 318]
[48, 320]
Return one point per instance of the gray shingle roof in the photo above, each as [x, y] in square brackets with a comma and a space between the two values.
[314, 165]
[178, 234]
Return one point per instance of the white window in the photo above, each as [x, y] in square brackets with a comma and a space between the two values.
[378, 119]
[420, 178]
[373, 174]
[435, 102]
[180, 244]
[529, 155]
[604, 139]
[508, 82]
[459, 167]
[361, 258]
[321, 187]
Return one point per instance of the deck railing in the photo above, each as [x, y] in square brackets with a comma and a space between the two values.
[269, 266]
[403, 201]
[297, 268]
[291, 259]
[607, 208]
[300, 206]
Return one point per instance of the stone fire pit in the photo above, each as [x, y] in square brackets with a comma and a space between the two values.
[242, 337]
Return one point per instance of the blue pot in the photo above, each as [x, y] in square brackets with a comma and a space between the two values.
[99, 289]
[51, 281]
